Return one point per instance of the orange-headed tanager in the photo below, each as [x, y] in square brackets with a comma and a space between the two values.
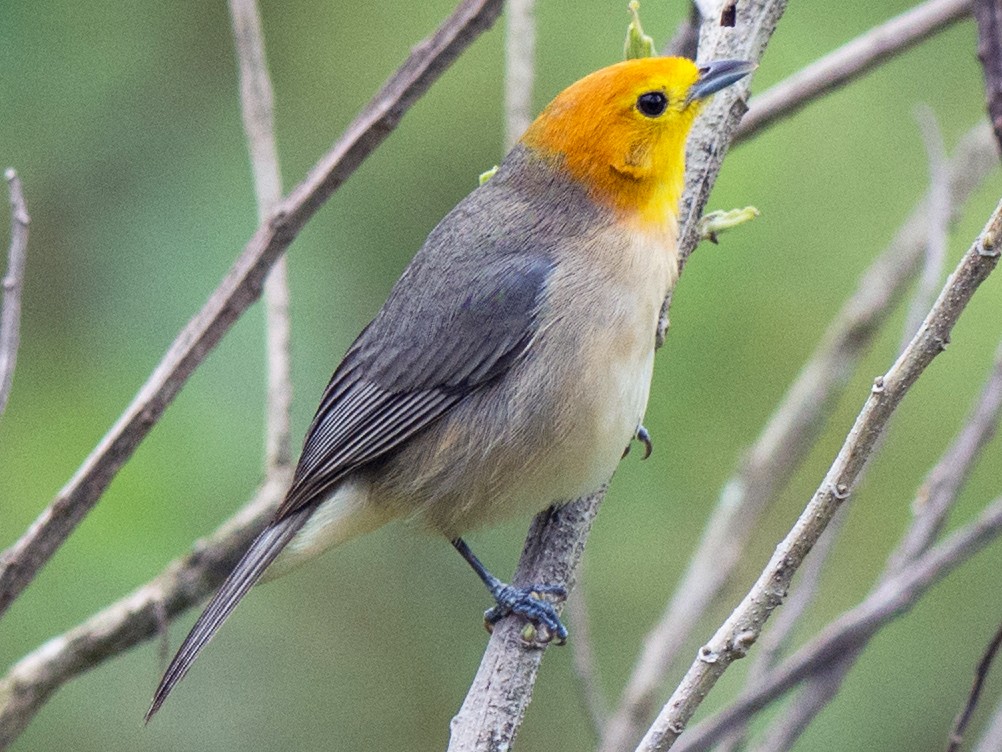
[511, 364]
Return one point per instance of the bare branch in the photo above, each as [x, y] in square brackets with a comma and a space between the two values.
[583, 659]
[257, 106]
[854, 627]
[822, 687]
[875, 47]
[496, 702]
[743, 626]
[988, 14]
[775, 641]
[784, 441]
[942, 485]
[136, 618]
[706, 8]
[685, 41]
[240, 288]
[939, 215]
[932, 504]
[980, 674]
[13, 284]
[520, 68]
[494, 707]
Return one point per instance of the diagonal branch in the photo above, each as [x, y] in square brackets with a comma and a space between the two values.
[495, 705]
[980, 674]
[872, 48]
[137, 617]
[933, 502]
[13, 284]
[895, 596]
[520, 68]
[257, 107]
[241, 287]
[745, 623]
[988, 14]
[785, 440]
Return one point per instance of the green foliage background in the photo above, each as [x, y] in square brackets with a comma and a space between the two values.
[123, 120]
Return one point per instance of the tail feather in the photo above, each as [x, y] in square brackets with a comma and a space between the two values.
[262, 552]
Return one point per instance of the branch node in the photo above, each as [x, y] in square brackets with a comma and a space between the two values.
[742, 642]
[878, 385]
[840, 491]
[987, 247]
[708, 655]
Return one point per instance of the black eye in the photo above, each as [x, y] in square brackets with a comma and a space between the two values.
[652, 104]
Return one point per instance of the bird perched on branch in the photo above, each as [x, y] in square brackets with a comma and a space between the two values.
[511, 364]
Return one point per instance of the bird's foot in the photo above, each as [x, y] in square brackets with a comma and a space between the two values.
[537, 605]
[644, 437]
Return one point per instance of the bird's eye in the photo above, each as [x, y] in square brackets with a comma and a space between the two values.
[652, 104]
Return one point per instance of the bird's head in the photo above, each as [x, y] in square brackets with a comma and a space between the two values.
[621, 130]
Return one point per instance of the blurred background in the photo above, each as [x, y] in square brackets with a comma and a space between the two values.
[123, 122]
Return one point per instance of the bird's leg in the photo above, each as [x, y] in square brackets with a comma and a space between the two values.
[644, 437]
[535, 603]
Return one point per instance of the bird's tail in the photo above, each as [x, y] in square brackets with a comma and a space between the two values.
[262, 552]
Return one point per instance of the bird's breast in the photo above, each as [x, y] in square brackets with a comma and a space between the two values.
[555, 425]
[618, 301]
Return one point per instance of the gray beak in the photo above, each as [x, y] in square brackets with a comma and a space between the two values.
[719, 75]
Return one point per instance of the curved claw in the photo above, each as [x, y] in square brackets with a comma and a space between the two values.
[644, 437]
[535, 604]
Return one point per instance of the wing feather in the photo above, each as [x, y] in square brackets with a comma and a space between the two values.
[396, 380]
[463, 312]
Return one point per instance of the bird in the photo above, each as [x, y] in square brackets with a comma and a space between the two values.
[510, 367]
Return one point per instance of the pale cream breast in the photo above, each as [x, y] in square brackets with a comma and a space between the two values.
[628, 284]
[555, 427]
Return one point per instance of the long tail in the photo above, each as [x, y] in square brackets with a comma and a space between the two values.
[262, 552]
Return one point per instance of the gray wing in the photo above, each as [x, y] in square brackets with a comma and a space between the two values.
[449, 327]
[440, 336]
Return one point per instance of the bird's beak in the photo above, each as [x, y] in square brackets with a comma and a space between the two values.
[719, 75]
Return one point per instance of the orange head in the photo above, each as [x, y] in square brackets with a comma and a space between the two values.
[621, 131]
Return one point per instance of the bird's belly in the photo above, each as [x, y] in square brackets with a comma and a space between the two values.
[560, 440]
[605, 422]
[555, 426]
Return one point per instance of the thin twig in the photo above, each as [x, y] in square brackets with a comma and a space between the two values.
[820, 690]
[942, 485]
[980, 674]
[988, 14]
[257, 107]
[933, 502]
[583, 660]
[776, 640]
[816, 694]
[520, 68]
[138, 617]
[784, 442]
[745, 623]
[853, 628]
[495, 705]
[875, 47]
[240, 288]
[938, 223]
[13, 284]
[685, 40]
